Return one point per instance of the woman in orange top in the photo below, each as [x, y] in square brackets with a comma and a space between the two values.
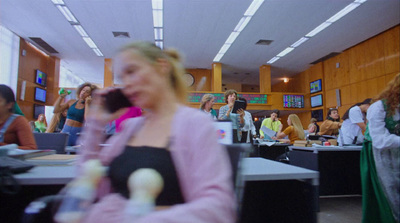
[295, 130]
[14, 129]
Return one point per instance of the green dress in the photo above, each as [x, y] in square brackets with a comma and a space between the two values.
[375, 205]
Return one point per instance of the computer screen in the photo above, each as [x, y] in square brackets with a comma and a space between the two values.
[224, 131]
[40, 94]
[316, 86]
[316, 101]
[37, 110]
[318, 114]
[41, 78]
[293, 101]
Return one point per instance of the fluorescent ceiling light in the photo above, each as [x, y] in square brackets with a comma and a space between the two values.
[158, 33]
[89, 42]
[158, 18]
[285, 51]
[58, 2]
[360, 1]
[98, 52]
[318, 29]
[224, 48]
[80, 30]
[242, 23]
[157, 4]
[218, 57]
[299, 42]
[343, 12]
[68, 15]
[160, 44]
[253, 7]
[232, 37]
[273, 60]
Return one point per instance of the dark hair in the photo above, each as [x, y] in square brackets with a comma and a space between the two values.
[7, 93]
[86, 84]
[229, 92]
[276, 111]
[366, 101]
[245, 102]
[330, 112]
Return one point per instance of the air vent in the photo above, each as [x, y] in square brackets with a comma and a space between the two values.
[45, 46]
[121, 34]
[326, 57]
[264, 42]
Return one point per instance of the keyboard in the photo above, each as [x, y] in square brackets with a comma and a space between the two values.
[15, 165]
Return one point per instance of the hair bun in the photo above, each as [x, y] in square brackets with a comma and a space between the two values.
[173, 53]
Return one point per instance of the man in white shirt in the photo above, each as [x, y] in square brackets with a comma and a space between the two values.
[354, 124]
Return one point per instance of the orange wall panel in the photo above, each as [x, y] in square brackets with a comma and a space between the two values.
[202, 79]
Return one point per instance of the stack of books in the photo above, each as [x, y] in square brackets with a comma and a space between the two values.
[54, 159]
[306, 143]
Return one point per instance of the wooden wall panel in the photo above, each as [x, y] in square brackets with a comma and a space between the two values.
[374, 57]
[28, 64]
[356, 63]
[345, 95]
[392, 50]
[295, 84]
[202, 79]
[250, 88]
[330, 98]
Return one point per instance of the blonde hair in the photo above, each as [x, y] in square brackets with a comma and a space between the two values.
[206, 98]
[298, 127]
[54, 122]
[152, 53]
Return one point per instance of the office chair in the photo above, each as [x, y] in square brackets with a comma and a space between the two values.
[52, 141]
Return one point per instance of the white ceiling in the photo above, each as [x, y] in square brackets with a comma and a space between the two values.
[198, 28]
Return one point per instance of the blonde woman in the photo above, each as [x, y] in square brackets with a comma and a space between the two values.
[206, 104]
[57, 122]
[161, 139]
[295, 130]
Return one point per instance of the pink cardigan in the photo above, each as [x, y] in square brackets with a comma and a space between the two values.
[202, 165]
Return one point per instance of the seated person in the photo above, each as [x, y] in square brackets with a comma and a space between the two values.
[41, 123]
[354, 124]
[161, 140]
[295, 130]
[272, 123]
[332, 123]
[313, 126]
[14, 129]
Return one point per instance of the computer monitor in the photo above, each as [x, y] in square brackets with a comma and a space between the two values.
[316, 86]
[293, 101]
[41, 78]
[37, 110]
[224, 131]
[316, 101]
[40, 94]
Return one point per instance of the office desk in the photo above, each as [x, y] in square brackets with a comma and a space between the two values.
[339, 167]
[38, 182]
[269, 152]
[277, 192]
[47, 175]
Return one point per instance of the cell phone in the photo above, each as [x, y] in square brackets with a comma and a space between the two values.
[116, 100]
[238, 105]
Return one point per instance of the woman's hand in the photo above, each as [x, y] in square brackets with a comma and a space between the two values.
[274, 138]
[88, 100]
[240, 112]
[98, 108]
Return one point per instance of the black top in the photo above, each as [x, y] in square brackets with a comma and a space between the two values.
[159, 159]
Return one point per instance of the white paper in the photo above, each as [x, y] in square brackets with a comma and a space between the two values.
[268, 133]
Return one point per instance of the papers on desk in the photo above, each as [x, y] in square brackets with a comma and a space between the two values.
[55, 159]
[268, 133]
[13, 151]
[335, 147]
[267, 143]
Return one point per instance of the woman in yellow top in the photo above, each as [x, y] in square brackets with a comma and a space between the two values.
[40, 123]
[295, 130]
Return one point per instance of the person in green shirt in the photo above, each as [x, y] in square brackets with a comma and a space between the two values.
[40, 123]
[272, 123]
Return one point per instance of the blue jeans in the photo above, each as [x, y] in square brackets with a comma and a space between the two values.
[72, 134]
